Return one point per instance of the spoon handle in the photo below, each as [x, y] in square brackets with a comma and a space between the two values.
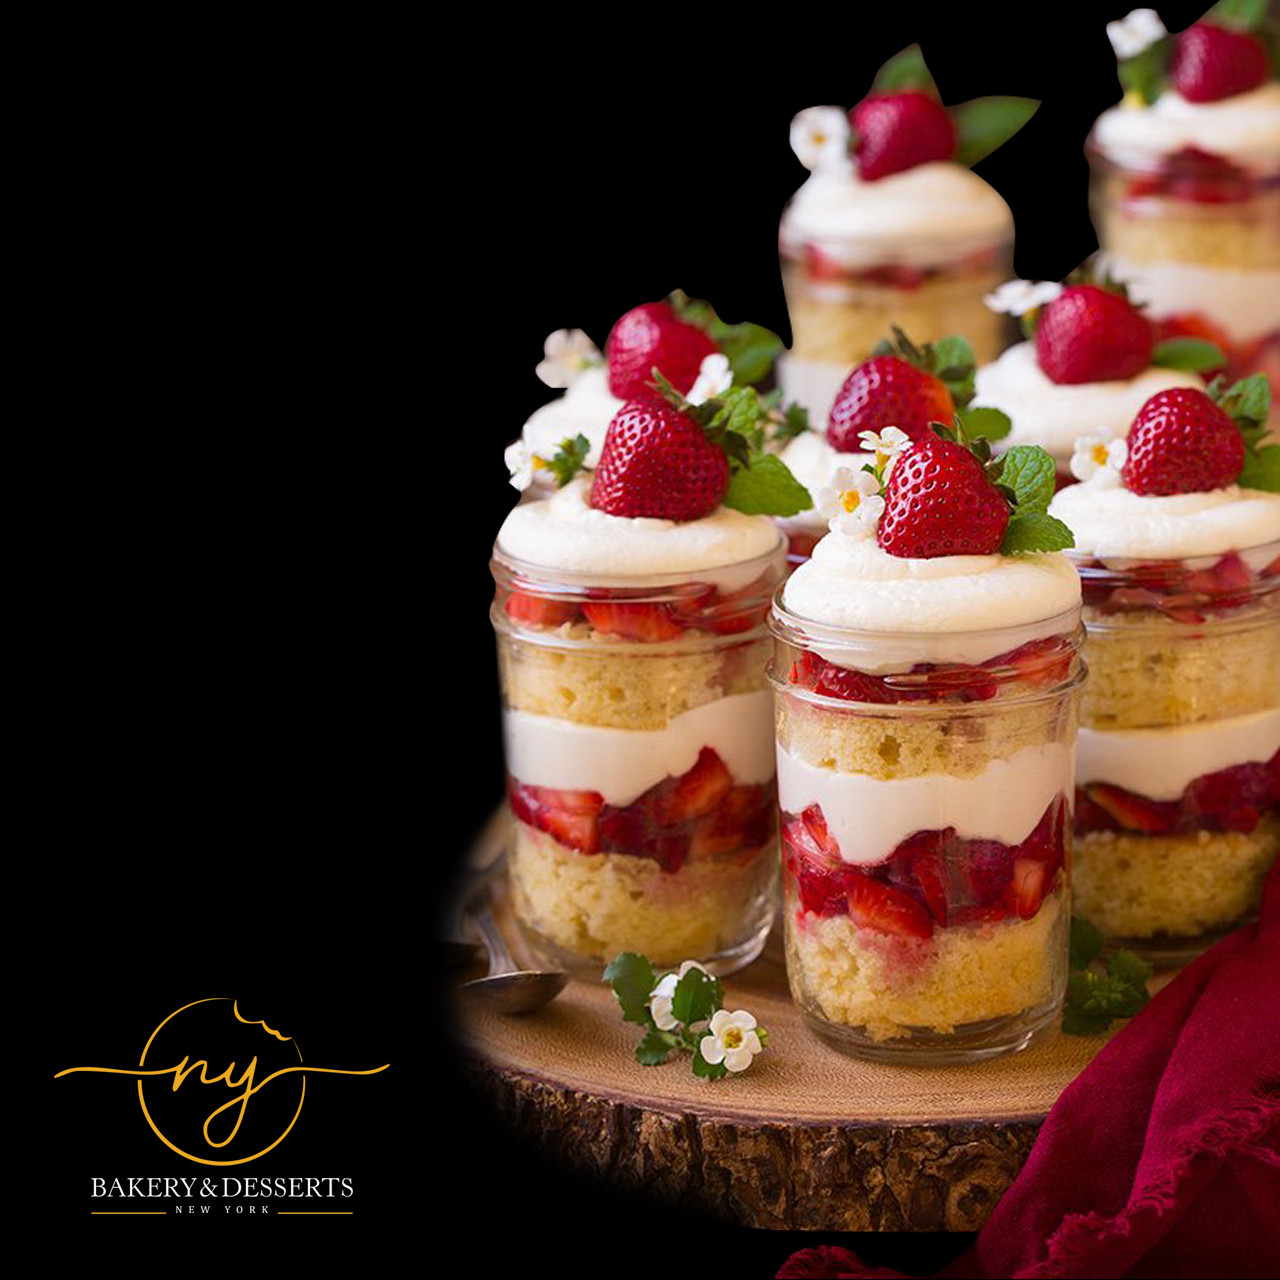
[500, 958]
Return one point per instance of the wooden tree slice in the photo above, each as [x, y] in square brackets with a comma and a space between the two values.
[807, 1139]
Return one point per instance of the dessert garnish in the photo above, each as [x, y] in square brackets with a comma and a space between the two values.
[1218, 57]
[908, 386]
[565, 354]
[1088, 329]
[902, 123]
[682, 1011]
[1098, 993]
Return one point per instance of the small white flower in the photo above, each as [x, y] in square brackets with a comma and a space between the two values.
[660, 996]
[521, 463]
[1017, 297]
[820, 138]
[1135, 32]
[851, 503]
[714, 377]
[566, 353]
[886, 444]
[733, 1040]
[1099, 460]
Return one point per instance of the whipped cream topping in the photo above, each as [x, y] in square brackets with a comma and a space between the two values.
[869, 817]
[1244, 128]
[924, 216]
[1159, 763]
[1112, 522]
[814, 461]
[1244, 301]
[853, 584]
[622, 764]
[1053, 415]
[588, 406]
[565, 532]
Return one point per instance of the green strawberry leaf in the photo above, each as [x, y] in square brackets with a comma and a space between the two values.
[766, 487]
[569, 459]
[632, 978]
[1030, 472]
[1191, 355]
[984, 124]
[655, 1048]
[985, 421]
[1035, 531]
[1262, 469]
[1144, 75]
[904, 71]
[1086, 943]
[697, 997]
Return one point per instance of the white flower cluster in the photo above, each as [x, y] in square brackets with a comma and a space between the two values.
[732, 1037]
[1017, 297]
[852, 502]
[1135, 32]
[1099, 460]
[714, 376]
[820, 138]
[565, 354]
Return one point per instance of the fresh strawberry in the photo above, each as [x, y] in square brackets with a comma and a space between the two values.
[1026, 888]
[654, 336]
[658, 461]
[887, 391]
[642, 621]
[897, 131]
[694, 793]
[1092, 334]
[879, 906]
[1211, 63]
[1181, 442]
[1132, 812]
[538, 611]
[939, 502]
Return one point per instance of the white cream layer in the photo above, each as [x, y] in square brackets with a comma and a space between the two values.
[869, 817]
[1245, 302]
[1245, 128]
[565, 532]
[1112, 522]
[587, 407]
[1159, 763]
[1054, 415]
[813, 461]
[622, 764]
[926, 216]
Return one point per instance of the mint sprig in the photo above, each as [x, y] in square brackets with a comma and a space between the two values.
[1029, 471]
[904, 72]
[1098, 993]
[1190, 355]
[751, 348]
[984, 124]
[1248, 403]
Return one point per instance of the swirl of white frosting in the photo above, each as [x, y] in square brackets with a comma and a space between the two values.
[1117, 523]
[1053, 414]
[1245, 127]
[923, 216]
[565, 532]
[587, 407]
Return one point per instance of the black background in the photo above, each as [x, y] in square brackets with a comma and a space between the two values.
[288, 288]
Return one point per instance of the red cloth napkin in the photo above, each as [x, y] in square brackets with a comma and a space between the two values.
[1162, 1158]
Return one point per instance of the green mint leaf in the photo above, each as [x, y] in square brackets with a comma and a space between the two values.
[1130, 968]
[632, 978]
[1262, 469]
[1035, 531]
[1191, 355]
[766, 487]
[569, 459]
[739, 411]
[708, 1070]
[697, 997]
[905, 70]
[795, 422]
[1076, 1022]
[953, 365]
[654, 1049]
[751, 349]
[1239, 15]
[984, 124]
[1247, 401]
[1029, 471]
[1144, 76]
[1086, 943]
[985, 421]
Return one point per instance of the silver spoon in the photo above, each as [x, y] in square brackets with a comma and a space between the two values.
[455, 950]
[508, 989]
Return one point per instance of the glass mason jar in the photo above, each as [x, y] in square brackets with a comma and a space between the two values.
[926, 831]
[640, 770]
[1178, 800]
[1198, 236]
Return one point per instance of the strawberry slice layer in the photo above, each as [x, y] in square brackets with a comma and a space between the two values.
[700, 814]
[1232, 799]
[1175, 589]
[934, 879]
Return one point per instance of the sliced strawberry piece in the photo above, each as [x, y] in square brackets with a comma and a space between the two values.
[879, 906]
[577, 830]
[647, 623]
[538, 611]
[694, 793]
[983, 873]
[1132, 812]
[1026, 889]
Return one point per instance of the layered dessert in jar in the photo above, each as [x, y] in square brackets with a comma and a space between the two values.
[1178, 545]
[891, 227]
[630, 615]
[926, 673]
[895, 394]
[1186, 180]
[1090, 360]
[681, 337]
